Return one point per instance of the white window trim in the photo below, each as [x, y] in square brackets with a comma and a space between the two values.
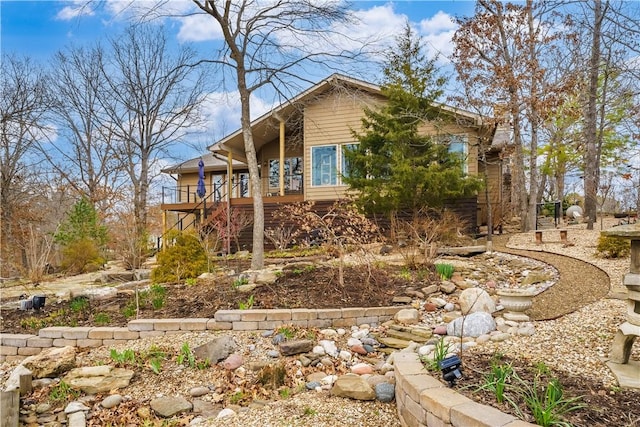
[338, 169]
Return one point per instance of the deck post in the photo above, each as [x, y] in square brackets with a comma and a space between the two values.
[281, 163]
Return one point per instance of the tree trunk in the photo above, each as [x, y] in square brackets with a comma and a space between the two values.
[590, 130]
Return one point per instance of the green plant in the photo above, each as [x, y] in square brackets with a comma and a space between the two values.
[62, 392]
[246, 305]
[158, 294]
[184, 257]
[439, 354]
[405, 273]
[186, 356]
[79, 304]
[33, 323]
[285, 392]
[129, 310]
[203, 364]
[101, 319]
[286, 331]
[125, 357]
[240, 281]
[613, 247]
[497, 379]
[445, 271]
[156, 365]
[236, 397]
[309, 411]
[546, 403]
[190, 281]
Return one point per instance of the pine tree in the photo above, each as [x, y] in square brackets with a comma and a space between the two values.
[396, 166]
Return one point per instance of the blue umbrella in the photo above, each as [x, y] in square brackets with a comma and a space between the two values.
[201, 191]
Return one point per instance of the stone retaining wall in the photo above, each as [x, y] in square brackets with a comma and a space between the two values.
[425, 401]
[19, 346]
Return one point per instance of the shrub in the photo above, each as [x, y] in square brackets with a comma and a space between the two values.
[81, 256]
[185, 258]
[613, 247]
[445, 271]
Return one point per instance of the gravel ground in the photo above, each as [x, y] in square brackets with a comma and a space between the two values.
[575, 342]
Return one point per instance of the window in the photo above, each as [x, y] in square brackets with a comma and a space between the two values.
[324, 163]
[219, 187]
[292, 175]
[242, 184]
[346, 167]
[325, 160]
[458, 146]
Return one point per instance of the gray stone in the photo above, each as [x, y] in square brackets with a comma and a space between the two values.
[75, 407]
[198, 391]
[42, 408]
[216, 350]
[289, 348]
[169, 406]
[472, 325]
[448, 287]
[278, 338]
[51, 362]
[205, 409]
[353, 387]
[475, 300]
[273, 353]
[428, 290]
[111, 401]
[385, 392]
[312, 385]
[401, 300]
[77, 419]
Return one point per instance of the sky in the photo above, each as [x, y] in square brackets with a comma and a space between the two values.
[38, 29]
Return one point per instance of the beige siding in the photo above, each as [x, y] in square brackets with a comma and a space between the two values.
[329, 121]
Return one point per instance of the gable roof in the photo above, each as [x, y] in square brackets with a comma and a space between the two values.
[211, 163]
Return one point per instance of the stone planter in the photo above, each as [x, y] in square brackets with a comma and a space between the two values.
[515, 303]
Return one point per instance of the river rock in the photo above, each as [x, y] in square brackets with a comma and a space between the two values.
[234, 361]
[385, 392]
[111, 401]
[407, 316]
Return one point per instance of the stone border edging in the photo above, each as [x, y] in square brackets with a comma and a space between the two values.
[424, 401]
[19, 346]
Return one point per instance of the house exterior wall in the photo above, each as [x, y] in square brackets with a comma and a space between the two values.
[329, 121]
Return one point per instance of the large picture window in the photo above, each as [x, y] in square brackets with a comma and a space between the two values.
[328, 164]
[292, 175]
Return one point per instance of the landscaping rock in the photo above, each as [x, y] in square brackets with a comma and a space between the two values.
[475, 300]
[77, 419]
[407, 316]
[169, 406]
[353, 387]
[111, 401]
[198, 391]
[51, 362]
[99, 379]
[216, 350]
[234, 361]
[75, 407]
[473, 325]
[385, 392]
[290, 348]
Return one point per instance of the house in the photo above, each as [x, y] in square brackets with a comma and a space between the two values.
[299, 145]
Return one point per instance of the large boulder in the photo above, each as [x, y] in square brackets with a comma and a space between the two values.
[216, 350]
[472, 325]
[353, 387]
[475, 300]
[52, 362]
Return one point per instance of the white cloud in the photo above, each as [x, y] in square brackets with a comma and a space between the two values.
[221, 111]
[438, 23]
[77, 8]
[197, 28]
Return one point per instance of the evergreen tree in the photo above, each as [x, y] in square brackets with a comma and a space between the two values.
[395, 166]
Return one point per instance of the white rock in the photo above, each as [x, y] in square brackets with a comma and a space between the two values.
[319, 350]
[426, 349]
[449, 307]
[75, 407]
[365, 326]
[345, 355]
[329, 379]
[329, 333]
[439, 302]
[475, 300]
[341, 332]
[226, 412]
[330, 347]
[360, 334]
[407, 316]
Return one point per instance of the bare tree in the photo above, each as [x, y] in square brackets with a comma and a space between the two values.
[84, 153]
[23, 105]
[151, 100]
[268, 43]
